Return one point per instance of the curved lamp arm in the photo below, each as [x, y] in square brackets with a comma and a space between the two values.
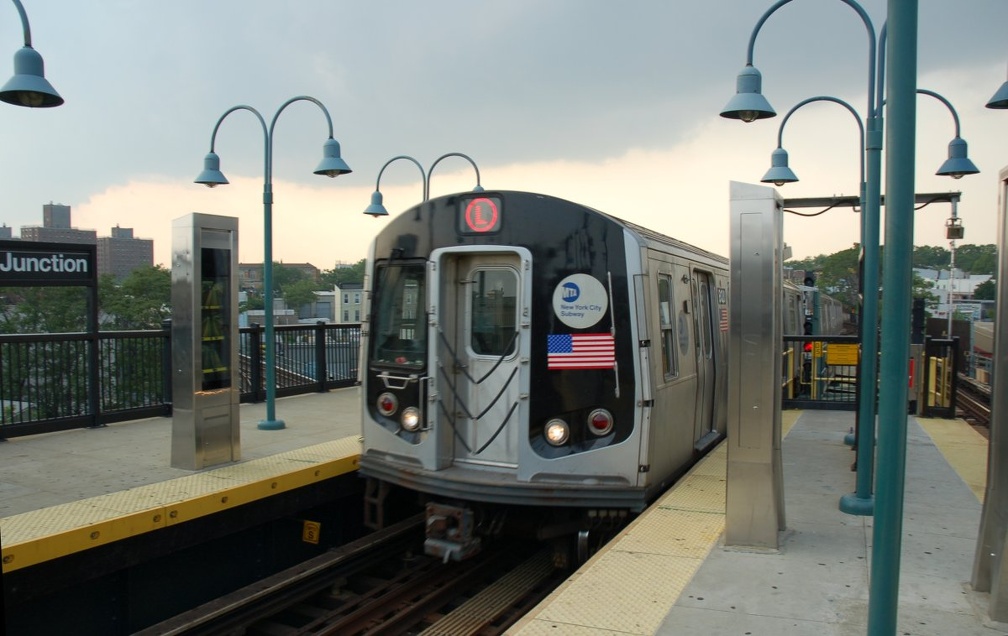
[24, 22]
[871, 45]
[327, 151]
[826, 98]
[423, 175]
[948, 104]
[377, 209]
[211, 175]
[430, 171]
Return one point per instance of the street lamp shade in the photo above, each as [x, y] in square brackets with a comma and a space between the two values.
[779, 172]
[957, 164]
[29, 86]
[748, 104]
[332, 164]
[376, 209]
[211, 175]
[1000, 98]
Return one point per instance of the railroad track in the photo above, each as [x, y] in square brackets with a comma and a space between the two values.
[973, 399]
[381, 584]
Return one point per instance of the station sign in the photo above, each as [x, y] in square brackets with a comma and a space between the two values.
[26, 263]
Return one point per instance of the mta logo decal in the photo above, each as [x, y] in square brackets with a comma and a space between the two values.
[571, 292]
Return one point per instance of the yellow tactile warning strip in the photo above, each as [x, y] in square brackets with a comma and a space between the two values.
[666, 544]
[41, 535]
[964, 449]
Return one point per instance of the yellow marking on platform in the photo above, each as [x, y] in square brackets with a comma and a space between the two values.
[41, 535]
[644, 569]
[964, 449]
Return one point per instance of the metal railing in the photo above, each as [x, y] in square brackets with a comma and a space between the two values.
[46, 385]
[820, 372]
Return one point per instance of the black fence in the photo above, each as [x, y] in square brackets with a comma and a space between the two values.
[820, 372]
[46, 384]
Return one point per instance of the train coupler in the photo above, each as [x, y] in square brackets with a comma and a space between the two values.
[450, 532]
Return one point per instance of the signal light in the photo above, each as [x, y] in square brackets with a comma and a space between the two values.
[600, 422]
[387, 404]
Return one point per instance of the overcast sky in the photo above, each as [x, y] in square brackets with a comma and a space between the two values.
[610, 104]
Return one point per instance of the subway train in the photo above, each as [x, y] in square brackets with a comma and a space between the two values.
[532, 363]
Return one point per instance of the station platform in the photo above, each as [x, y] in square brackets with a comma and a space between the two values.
[669, 573]
[65, 492]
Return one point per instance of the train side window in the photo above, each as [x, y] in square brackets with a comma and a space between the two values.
[665, 307]
[494, 312]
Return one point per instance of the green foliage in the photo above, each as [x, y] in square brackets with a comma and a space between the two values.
[977, 259]
[141, 301]
[931, 257]
[837, 274]
[338, 276]
[43, 309]
[986, 290]
[284, 276]
[301, 293]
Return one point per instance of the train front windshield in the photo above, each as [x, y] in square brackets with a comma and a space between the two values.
[399, 331]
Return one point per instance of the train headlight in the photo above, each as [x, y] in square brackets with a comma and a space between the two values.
[600, 422]
[387, 404]
[410, 419]
[557, 432]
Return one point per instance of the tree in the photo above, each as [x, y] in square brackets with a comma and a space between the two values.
[838, 276]
[931, 257]
[300, 293]
[338, 276]
[141, 301]
[284, 276]
[986, 290]
[43, 309]
[977, 259]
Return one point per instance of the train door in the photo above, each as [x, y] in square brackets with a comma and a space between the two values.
[704, 333]
[481, 380]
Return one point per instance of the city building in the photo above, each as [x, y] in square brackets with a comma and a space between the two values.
[56, 228]
[118, 254]
[348, 301]
[954, 291]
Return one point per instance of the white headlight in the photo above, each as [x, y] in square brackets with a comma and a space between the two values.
[410, 419]
[557, 432]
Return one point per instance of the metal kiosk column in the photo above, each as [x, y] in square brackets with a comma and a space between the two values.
[754, 512]
[205, 387]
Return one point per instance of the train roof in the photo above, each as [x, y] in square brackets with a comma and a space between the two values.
[647, 237]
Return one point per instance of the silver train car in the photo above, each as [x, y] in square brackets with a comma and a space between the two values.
[521, 351]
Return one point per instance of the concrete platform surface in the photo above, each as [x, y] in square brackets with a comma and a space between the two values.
[56, 468]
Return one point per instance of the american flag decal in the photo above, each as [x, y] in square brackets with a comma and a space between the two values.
[724, 319]
[580, 351]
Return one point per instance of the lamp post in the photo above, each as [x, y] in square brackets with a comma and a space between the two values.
[749, 105]
[332, 165]
[377, 209]
[892, 410]
[29, 86]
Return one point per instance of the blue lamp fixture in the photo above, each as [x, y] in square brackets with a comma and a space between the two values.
[29, 86]
[1000, 98]
[377, 208]
[958, 164]
[748, 104]
[331, 165]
